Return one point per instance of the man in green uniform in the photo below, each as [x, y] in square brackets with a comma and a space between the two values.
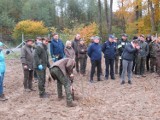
[27, 64]
[41, 62]
[62, 71]
[152, 52]
[141, 57]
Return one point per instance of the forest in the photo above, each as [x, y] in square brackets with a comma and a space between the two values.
[71, 16]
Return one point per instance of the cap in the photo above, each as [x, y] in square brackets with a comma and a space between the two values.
[29, 40]
[96, 37]
[125, 35]
[1, 44]
[112, 36]
[142, 36]
[47, 39]
[135, 38]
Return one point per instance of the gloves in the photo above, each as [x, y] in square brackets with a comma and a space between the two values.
[53, 59]
[40, 67]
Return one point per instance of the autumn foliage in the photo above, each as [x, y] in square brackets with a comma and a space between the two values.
[29, 28]
[88, 31]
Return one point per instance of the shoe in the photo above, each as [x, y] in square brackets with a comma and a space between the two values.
[123, 82]
[106, 78]
[113, 78]
[143, 75]
[91, 81]
[3, 98]
[99, 79]
[138, 76]
[129, 82]
[44, 95]
[71, 104]
[60, 98]
[27, 90]
[32, 89]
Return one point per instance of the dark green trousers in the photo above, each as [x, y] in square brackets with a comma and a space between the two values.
[62, 80]
[153, 64]
[140, 65]
[83, 64]
[41, 75]
[28, 76]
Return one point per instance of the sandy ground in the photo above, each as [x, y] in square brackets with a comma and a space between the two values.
[105, 100]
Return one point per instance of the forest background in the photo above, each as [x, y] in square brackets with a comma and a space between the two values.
[68, 17]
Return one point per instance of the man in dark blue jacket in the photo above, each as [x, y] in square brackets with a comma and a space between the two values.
[94, 52]
[109, 50]
[56, 48]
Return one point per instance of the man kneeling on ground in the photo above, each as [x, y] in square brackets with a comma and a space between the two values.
[62, 71]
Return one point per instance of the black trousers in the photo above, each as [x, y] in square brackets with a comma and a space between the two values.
[94, 64]
[109, 67]
[120, 67]
[147, 62]
[77, 64]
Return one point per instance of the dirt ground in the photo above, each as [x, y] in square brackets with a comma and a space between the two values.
[105, 100]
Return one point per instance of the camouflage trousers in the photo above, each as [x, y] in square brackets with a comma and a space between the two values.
[62, 80]
[41, 75]
[28, 76]
[153, 64]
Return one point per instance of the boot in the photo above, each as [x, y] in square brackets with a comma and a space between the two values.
[71, 104]
[3, 98]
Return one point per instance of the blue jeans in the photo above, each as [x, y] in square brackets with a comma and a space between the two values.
[1, 83]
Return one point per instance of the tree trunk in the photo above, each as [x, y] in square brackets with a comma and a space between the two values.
[100, 17]
[110, 17]
[123, 20]
[106, 13]
[138, 9]
[152, 16]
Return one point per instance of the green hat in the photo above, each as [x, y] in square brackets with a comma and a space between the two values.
[29, 40]
[1, 44]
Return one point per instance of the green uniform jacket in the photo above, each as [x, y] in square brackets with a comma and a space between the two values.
[41, 56]
[27, 56]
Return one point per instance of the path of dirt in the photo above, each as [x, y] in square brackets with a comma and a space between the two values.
[105, 100]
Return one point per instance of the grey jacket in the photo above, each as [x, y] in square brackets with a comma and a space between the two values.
[144, 49]
[27, 56]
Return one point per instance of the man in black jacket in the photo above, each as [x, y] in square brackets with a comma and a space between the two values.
[41, 62]
[121, 45]
[75, 44]
[127, 60]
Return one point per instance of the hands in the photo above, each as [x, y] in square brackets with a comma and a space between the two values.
[40, 67]
[137, 47]
[25, 67]
[71, 76]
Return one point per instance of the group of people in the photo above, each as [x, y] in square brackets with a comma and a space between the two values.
[135, 56]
